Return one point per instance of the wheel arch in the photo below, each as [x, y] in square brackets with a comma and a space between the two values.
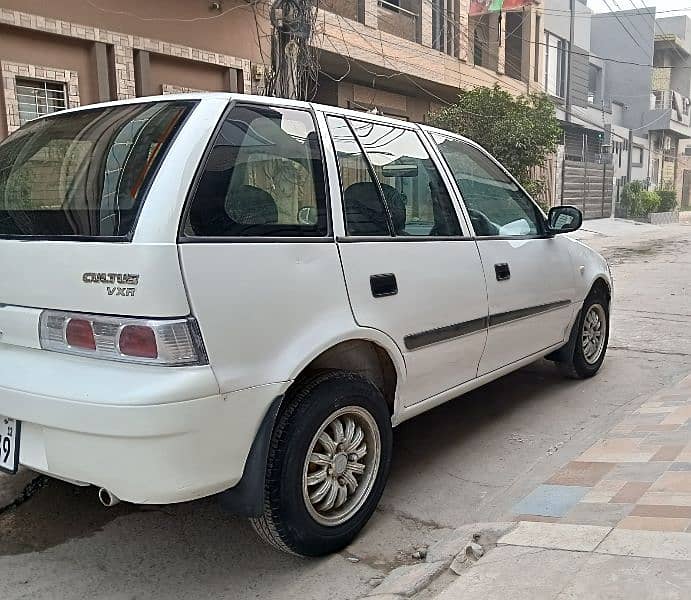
[600, 284]
[369, 353]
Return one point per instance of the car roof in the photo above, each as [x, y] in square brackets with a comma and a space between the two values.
[227, 96]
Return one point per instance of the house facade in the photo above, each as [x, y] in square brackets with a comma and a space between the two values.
[400, 57]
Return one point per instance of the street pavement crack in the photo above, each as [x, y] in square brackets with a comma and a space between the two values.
[480, 483]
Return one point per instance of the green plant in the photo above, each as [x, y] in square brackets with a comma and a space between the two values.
[650, 202]
[518, 130]
[631, 196]
[638, 201]
[668, 198]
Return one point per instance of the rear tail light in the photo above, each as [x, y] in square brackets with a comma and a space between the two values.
[174, 342]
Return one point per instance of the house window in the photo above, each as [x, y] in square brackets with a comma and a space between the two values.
[637, 156]
[594, 84]
[556, 51]
[38, 98]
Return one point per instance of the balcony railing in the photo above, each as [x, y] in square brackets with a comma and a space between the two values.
[678, 105]
[398, 20]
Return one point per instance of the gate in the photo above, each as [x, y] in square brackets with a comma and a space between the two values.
[587, 175]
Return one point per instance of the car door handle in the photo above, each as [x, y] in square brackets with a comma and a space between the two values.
[383, 284]
[502, 271]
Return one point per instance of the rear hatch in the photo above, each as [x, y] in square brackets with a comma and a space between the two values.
[72, 186]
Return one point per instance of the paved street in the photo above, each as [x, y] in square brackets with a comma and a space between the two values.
[479, 458]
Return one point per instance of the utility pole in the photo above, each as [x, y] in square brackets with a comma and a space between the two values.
[572, 25]
[291, 56]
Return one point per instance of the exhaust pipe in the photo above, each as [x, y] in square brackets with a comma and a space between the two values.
[106, 498]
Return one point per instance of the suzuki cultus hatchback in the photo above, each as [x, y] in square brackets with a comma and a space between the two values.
[234, 295]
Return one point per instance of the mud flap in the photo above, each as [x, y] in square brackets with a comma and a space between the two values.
[246, 499]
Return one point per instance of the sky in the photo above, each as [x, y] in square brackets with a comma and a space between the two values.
[601, 5]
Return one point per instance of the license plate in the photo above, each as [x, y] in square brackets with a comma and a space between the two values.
[9, 444]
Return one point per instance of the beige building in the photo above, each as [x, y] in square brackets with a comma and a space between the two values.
[403, 57]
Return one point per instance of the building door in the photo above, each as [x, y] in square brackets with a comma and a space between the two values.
[686, 191]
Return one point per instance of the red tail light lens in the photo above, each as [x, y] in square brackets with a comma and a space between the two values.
[139, 341]
[169, 342]
[80, 334]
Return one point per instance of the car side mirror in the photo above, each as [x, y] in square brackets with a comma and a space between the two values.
[563, 219]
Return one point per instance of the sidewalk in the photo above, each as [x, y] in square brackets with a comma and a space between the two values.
[614, 523]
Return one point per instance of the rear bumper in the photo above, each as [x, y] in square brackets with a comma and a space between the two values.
[147, 434]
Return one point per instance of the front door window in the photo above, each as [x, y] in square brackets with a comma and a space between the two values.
[496, 204]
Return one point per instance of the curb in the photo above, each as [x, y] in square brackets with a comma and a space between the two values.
[407, 580]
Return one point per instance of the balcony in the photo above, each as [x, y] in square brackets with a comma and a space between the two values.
[669, 110]
[676, 103]
[399, 18]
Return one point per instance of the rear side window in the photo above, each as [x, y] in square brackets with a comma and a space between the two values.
[415, 193]
[364, 210]
[84, 174]
[263, 177]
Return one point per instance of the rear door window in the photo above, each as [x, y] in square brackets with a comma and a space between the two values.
[84, 174]
[263, 177]
[416, 196]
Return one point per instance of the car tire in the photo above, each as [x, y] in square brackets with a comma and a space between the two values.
[592, 336]
[328, 463]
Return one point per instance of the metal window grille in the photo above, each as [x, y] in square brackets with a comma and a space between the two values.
[38, 98]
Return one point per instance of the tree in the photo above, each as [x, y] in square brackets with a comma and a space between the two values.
[520, 131]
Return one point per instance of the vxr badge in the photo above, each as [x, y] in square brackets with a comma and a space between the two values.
[117, 284]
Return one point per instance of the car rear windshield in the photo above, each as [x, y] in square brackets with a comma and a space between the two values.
[84, 174]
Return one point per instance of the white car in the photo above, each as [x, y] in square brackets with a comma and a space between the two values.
[235, 295]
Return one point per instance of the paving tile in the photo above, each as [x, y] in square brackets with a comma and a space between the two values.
[622, 450]
[673, 482]
[597, 513]
[652, 544]
[631, 492]
[680, 416]
[550, 500]
[604, 491]
[581, 473]
[519, 574]
[559, 536]
[685, 454]
[616, 578]
[647, 471]
[672, 488]
[656, 510]
[680, 437]
[654, 523]
[657, 427]
[667, 453]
